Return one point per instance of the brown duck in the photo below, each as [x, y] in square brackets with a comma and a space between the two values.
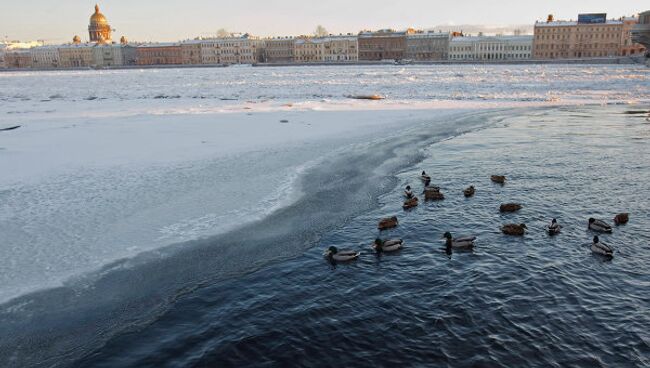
[469, 192]
[410, 203]
[387, 223]
[510, 207]
[514, 229]
[622, 218]
[498, 179]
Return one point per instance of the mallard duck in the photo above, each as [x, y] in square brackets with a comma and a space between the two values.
[433, 194]
[469, 192]
[408, 193]
[500, 179]
[554, 228]
[333, 254]
[601, 248]
[387, 223]
[599, 225]
[510, 207]
[410, 203]
[514, 229]
[425, 177]
[391, 245]
[622, 218]
[465, 242]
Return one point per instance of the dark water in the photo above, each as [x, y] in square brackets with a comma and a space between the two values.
[531, 301]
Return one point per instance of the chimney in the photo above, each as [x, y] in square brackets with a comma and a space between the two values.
[550, 18]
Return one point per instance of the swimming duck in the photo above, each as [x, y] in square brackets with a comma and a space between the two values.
[408, 193]
[599, 225]
[500, 179]
[554, 228]
[514, 229]
[433, 194]
[510, 207]
[622, 218]
[601, 248]
[469, 192]
[387, 223]
[425, 177]
[391, 245]
[333, 254]
[410, 203]
[465, 242]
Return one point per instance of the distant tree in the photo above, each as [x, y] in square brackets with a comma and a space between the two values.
[223, 33]
[320, 31]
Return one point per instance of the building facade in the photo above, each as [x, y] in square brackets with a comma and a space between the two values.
[584, 38]
[18, 58]
[76, 55]
[243, 49]
[340, 48]
[105, 55]
[279, 50]
[159, 54]
[99, 30]
[385, 44]
[191, 52]
[308, 50]
[490, 48]
[641, 31]
[423, 46]
[45, 57]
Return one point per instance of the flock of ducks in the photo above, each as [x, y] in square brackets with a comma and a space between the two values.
[432, 193]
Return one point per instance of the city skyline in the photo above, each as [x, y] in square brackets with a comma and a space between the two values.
[150, 20]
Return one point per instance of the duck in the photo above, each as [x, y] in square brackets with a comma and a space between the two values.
[599, 225]
[622, 218]
[601, 248]
[465, 242]
[425, 177]
[469, 192]
[333, 254]
[554, 228]
[387, 223]
[499, 179]
[514, 229]
[410, 203]
[408, 193]
[510, 207]
[433, 195]
[387, 246]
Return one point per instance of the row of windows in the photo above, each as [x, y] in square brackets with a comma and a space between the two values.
[480, 47]
[489, 56]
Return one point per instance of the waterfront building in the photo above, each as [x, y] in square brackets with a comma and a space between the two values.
[105, 55]
[129, 54]
[308, 50]
[340, 48]
[237, 49]
[424, 46]
[18, 58]
[45, 57]
[191, 51]
[76, 55]
[159, 54]
[592, 35]
[99, 30]
[279, 50]
[490, 48]
[385, 44]
[641, 31]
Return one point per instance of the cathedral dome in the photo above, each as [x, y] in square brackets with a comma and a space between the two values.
[98, 18]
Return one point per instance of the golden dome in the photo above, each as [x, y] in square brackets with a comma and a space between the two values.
[98, 18]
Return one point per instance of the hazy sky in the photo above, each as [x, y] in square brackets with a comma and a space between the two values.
[166, 20]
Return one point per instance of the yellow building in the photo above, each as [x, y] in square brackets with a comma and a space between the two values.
[591, 36]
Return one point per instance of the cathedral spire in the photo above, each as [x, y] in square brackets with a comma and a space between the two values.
[96, 9]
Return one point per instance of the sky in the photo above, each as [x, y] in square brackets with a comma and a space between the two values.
[167, 20]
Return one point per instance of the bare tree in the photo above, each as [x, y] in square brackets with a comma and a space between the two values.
[320, 31]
